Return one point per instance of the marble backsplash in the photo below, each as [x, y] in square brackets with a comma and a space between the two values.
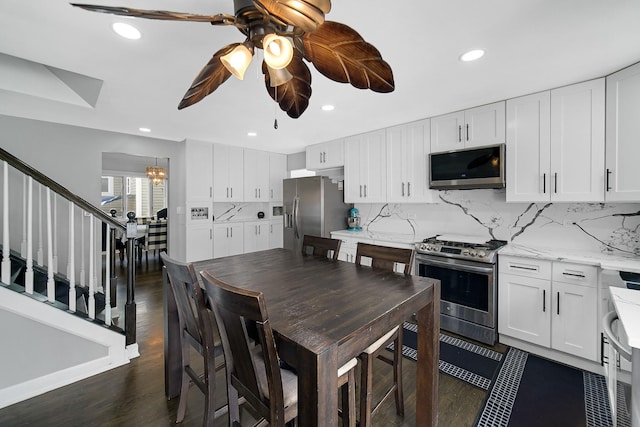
[604, 227]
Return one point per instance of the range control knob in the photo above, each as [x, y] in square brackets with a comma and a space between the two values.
[482, 254]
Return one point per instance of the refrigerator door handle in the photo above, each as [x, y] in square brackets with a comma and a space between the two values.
[296, 210]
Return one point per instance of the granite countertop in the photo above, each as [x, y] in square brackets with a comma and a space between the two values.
[620, 262]
[627, 304]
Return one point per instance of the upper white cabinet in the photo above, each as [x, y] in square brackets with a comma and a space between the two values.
[228, 173]
[623, 135]
[484, 125]
[199, 172]
[277, 172]
[256, 176]
[555, 145]
[407, 150]
[326, 155]
[365, 173]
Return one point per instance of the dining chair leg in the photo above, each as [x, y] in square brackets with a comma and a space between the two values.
[397, 373]
[348, 391]
[184, 389]
[366, 381]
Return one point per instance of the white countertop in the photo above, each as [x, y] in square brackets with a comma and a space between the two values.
[377, 236]
[618, 262]
[627, 304]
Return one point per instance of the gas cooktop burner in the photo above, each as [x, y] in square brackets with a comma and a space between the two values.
[476, 250]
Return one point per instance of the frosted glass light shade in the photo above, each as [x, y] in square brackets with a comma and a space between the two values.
[278, 77]
[278, 51]
[237, 61]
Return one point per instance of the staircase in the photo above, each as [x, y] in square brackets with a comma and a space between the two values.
[46, 229]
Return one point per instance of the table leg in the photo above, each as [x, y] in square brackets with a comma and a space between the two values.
[428, 361]
[172, 350]
[318, 388]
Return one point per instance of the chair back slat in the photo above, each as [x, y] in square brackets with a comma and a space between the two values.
[321, 246]
[384, 257]
[234, 308]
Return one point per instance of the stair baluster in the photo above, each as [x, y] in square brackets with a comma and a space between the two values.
[51, 284]
[6, 260]
[71, 264]
[28, 276]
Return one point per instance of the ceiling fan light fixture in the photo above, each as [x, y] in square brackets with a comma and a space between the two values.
[237, 61]
[278, 77]
[278, 51]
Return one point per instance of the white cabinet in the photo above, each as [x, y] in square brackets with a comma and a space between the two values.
[326, 155]
[555, 145]
[277, 172]
[256, 176]
[228, 173]
[276, 233]
[256, 236]
[407, 150]
[199, 239]
[483, 125]
[623, 135]
[347, 248]
[199, 172]
[551, 304]
[365, 177]
[228, 239]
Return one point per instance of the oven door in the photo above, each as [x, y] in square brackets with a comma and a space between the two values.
[467, 287]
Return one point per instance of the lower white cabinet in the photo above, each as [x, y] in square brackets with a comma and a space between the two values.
[256, 236]
[550, 304]
[276, 234]
[347, 249]
[228, 239]
[199, 238]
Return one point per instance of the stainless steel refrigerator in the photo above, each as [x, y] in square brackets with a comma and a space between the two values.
[312, 205]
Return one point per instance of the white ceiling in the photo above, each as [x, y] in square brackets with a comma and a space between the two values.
[531, 45]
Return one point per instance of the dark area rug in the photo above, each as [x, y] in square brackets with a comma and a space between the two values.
[531, 391]
[461, 359]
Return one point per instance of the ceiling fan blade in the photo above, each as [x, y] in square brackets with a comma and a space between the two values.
[210, 78]
[293, 96]
[219, 19]
[297, 13]
[341, 54]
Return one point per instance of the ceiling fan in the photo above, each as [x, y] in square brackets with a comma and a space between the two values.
[289, 32]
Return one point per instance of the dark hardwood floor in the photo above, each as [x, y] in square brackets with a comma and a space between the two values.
[133, 395]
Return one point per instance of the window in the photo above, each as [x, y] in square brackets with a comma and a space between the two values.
[137, 194]
[107, 186]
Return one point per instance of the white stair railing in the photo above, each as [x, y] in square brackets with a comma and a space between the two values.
[42, 229]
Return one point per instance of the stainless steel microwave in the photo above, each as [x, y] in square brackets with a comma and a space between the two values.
[478, 167]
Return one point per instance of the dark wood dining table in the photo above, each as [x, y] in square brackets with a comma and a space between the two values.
[325, 313]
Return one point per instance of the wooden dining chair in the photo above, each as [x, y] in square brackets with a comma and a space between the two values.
[321, 246]
[197, 331]
[254, 371]
[385, 258]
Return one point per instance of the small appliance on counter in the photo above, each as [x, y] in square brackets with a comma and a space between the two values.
[353, 220]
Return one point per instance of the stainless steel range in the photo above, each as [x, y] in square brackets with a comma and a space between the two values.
[467, 269]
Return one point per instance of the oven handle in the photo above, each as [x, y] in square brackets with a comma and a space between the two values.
[457, 265]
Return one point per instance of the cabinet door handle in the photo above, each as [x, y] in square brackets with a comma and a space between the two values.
[467, 131]
[232, 192]
[227, 232]
[321, 157]
[210, 191]
[361, 191]
[324, 157]
[544, 300]
[272, 194]
[607, 183]
[232, 233]
[459, 133]
[582, 276]
[555, 182]
[365, 190]
[544, 183]
[227, 192]
[522, 267]
[408, 189]
[558, 306]
[210, 234]
[403, 189]
[259, 193]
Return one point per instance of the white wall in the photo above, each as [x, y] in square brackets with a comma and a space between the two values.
[72, 156]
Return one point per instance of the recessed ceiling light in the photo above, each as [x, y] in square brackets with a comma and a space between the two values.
[252, 134]
[328, 108]
[472, 55]
[145, 130]
[127, 31]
